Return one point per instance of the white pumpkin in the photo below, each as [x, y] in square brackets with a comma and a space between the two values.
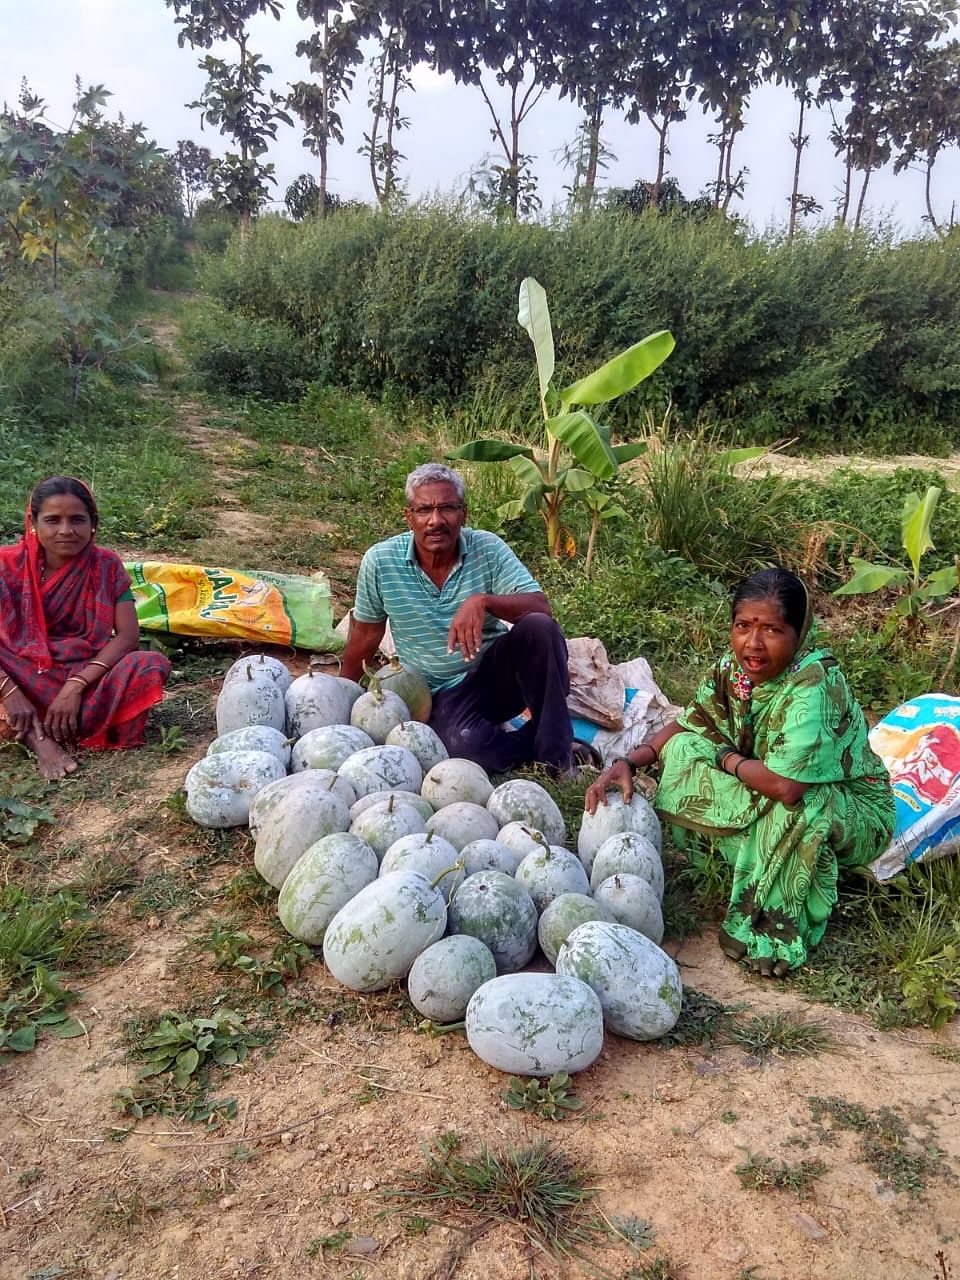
[491, 906]
[316, 701]
[535, 1024]
[637, 983]
[631, 853]
[260, 666]
[409, 684]
[521, 800]
[220, 787]
[431, 855]
[246, 700]
[444, 977]
[383, 825]
[324, 879]
[632, 900]
[328, 747]
[377, 712]
[546, 873]
[462, 822]
[421, 740]
[489, 855]
[374, 939]
[382, 769]
[456, 781]
[297, 820]
[613, 817]
[310, 780]
[254, 737]
[523, 839]
[380, 798]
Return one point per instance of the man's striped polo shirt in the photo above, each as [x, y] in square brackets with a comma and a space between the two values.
[391, 585]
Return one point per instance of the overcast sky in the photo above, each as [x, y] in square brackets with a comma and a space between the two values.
[130, 46]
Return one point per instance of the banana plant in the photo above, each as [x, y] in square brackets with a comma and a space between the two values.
[916, 541]
[576, 456]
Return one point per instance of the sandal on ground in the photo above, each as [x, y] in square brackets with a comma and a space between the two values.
[731, 947]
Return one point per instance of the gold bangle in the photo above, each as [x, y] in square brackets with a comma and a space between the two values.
[95, 662]
[77, 680]
[14, 687]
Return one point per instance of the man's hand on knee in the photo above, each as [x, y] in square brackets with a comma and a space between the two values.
[466, 629]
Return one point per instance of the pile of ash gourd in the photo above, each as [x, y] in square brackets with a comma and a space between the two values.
[407, 865]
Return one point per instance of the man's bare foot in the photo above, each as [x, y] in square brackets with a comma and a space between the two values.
[52, 761]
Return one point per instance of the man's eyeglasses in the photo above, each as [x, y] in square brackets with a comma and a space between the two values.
[445, 509]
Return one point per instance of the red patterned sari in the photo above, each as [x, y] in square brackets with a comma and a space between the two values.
[50, 630]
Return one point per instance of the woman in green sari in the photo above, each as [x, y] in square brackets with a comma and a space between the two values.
[771, 764]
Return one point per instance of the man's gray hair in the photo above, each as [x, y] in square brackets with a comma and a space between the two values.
[433, 473]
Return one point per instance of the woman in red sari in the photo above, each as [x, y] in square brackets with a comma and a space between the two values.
[71, 673]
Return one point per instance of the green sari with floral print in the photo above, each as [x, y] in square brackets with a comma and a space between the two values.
[806, 725]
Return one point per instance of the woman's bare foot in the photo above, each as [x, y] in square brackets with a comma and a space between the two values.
[52, 761]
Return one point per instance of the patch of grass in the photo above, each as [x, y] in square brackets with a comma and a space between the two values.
[126, 1212]
[320, 1245]
[551, 1100]
[703, 1020]
[185, 1048]
[163, 891]
[660, 1268]
[886, 1144]
[22, 798]
[636, 1232]
[763, 1173]
[783, 1034]
[161, 1098]
[944, 1052]
[537, 1188]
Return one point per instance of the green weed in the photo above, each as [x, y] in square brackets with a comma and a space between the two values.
[783, 1034]
[703, 1020]
[763, 1173]
[886, 1144]
[185, 1048]
[636, 1232]
[320, 1245]
[538, 1189]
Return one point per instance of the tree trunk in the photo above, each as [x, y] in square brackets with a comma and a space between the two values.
[931, 157]
[514, 161]
[594, 121]
[847, 184]
[799, 143]
[375, 128]
[324, 118]
[718, 184]
[389, 152]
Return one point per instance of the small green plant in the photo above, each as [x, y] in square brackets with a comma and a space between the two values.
[703, 1020]
[782, 1033]
[763, 1173]
[172, 740]
[945, 1053]
[186, 1047]
[320, 1245]
[636, 1232]
[268, 976]
[153, 1098]
[660, 1268]
[415, 1225]
[885, 1142]
[21, 810]
[915, 538]
[29, 1177]
[550, 1100]
[548, 478]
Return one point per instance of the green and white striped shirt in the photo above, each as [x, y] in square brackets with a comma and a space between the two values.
[391, 585]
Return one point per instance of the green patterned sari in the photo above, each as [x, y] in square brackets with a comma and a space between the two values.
[805, 725]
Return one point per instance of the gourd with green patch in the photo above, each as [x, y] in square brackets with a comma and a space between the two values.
[332, 871]
[311, 781]
[559, 919]
[489, 855]
[546, 873]
[374, 939]
[377, 712]
[613, 817]
[247, 700]
[423, 807]
[408, 684]
[456, 781]
[535, 1024]
[316, 701]
[221, 787]
[294, 823]
[421, 740]
[637, 983]
[254, 737]
[444, 977]
[521, 838]
[628, 853]
[632, 900]
[383, 825]
[382, 769]
[491, 906]
[462, 822]
[260, 666]
[328, 747]
[521, 800]
[431, 855]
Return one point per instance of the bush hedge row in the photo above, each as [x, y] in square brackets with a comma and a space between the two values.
[842, 339]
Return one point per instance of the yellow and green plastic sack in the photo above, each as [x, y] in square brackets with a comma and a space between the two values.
[244, 604]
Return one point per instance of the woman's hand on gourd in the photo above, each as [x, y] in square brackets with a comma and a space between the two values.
[63, 715]
[618, 775]
[21, 714]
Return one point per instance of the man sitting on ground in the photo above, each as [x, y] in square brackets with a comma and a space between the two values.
[447, 591]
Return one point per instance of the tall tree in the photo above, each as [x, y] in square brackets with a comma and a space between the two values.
[235, 98]
[333, 51]
[510, 44]
[927, 120]
[192, 164]
[799, 60]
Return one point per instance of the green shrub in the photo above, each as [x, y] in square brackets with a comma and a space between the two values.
[245, 357]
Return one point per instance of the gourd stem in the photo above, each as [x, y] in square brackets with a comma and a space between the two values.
[457, 866]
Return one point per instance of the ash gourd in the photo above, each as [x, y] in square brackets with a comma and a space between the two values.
[358, 873]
